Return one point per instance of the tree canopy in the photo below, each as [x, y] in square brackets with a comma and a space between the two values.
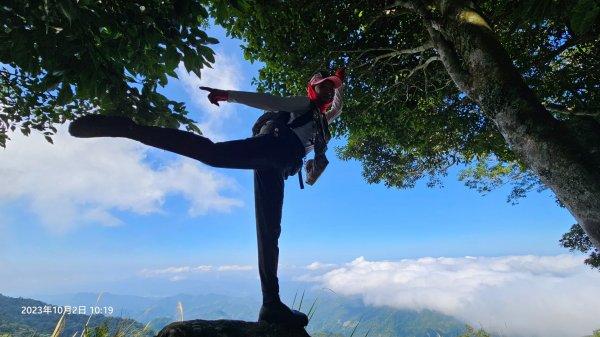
[404, 118]
[64, 58]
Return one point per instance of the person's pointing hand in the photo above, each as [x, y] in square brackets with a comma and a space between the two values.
[216, 95]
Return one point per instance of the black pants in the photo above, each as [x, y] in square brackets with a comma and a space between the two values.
[271, 156]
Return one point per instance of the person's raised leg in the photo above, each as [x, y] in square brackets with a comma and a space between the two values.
[101, 126]
[250, 153]
[268, 199]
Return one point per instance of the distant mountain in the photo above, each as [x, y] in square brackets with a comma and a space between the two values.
[146, 309]
[337, 314]
[334, 316]
[21, 317]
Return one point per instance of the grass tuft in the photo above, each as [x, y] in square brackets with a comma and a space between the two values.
[59, 326]
[180, 310]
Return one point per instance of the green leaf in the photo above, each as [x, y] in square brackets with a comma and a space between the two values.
[50, 83]
[211, 40]
[240, 5]
[65, 94]
[207, 53]
[172, 73]
[202, 13]
[162, 80]
[65, 12]
[584, 15]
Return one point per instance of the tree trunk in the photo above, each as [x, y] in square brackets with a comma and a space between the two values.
[564, 154]
[228, 328]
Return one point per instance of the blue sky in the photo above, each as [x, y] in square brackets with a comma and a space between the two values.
[111, 215]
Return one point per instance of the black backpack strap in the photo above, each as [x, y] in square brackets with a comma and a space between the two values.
[279, 117]
[305, 118]
[300, 179]
[301, 120]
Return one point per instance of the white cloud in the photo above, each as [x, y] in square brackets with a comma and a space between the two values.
[202, 268]
[177, 278]
[350, 324]
[319, 266]
[175, 270]
[183, 272]
[235, 268]
[547, 296]
[79, 181]
[225, 74]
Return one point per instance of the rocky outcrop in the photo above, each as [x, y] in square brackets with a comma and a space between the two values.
[229, 328]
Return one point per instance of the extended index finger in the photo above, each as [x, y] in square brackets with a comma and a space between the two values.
[207, 89]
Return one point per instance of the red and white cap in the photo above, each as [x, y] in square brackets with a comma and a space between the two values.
[319, 78]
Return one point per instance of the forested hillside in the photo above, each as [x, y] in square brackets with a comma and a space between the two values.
[21, 317]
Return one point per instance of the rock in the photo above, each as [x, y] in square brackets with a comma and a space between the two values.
[229, 328]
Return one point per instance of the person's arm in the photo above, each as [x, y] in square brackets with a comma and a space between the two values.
[261, 101]
[336, 107]
[315, 167]
[269, 102]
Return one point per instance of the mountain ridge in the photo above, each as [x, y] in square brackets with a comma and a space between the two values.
[334, 314]
[25, 317]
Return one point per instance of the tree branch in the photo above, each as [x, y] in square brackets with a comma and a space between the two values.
[569, 111]
[392, 51]
[451, 61]
[416, 50]
[572, 42]
[423, 65]
[444, 48]
[412, 72]
[403, 4]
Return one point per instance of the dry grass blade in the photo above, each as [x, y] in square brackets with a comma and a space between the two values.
[311, 311]
[180, 310]
[301, 300]
[120, 332]
[356, 326]
[59, 326]
[146, 327]
[92, 314]
[294, 301]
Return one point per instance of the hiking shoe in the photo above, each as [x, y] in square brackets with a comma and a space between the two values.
[100, 126]
[279, 313]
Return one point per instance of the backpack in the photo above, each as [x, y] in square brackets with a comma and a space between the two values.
[267, 122]
[270, 120]
[280, 118]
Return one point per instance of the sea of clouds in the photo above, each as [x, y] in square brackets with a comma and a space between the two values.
[552, 296]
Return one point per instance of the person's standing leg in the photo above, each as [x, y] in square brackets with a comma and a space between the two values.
[268, 201]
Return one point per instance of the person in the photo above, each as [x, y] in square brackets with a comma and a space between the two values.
[290, 129]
